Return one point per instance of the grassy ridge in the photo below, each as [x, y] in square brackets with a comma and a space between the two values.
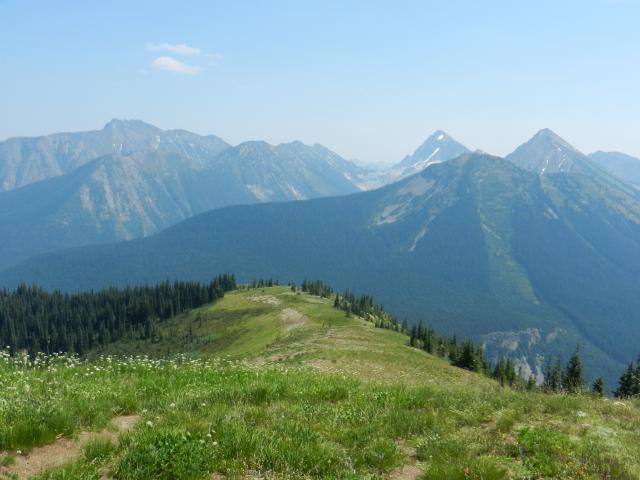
[312, 394]
[248, 325]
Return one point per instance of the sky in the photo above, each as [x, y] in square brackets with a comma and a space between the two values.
[370, 80]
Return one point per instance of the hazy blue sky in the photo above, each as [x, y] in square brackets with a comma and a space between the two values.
[368, 79]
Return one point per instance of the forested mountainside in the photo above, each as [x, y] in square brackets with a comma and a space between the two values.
[475, 244]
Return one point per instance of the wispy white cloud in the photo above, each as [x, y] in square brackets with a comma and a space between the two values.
[170, 64]
[177, 48]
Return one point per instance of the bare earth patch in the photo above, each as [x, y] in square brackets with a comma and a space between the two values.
[268, 299]
[65, 450]
[409, 471]
[292, 318]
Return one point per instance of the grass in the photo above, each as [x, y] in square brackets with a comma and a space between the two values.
[331, 398]
[247, 325]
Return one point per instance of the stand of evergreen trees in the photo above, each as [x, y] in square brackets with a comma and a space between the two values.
[364, 306]
[34, 320]
[318, 288]
[464, 354]
[629, 383]
[568, 379]
[505, 373]
[262, 283]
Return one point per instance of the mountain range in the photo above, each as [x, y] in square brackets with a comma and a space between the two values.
[532, 254]
[25, 160]
[533, 263]
[143, 180]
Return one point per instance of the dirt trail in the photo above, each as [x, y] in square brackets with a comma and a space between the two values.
[65, 450]
[267, 299]
[292, 318]
[409, 471]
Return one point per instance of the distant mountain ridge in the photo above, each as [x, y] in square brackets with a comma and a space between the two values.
[288, 171]
[25, 160]
[147, 180]
[625, 167]
[438, 147]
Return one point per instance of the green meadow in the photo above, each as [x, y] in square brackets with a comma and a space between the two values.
[268, 383]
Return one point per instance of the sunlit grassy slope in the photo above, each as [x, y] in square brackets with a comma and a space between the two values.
[282, 385]
[276, 326]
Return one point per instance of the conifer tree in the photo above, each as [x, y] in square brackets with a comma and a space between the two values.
[413, 336]
[553, 375]
[510, 372]
[598, 386]
[468, 358]
[499, 371]
[573, 380]
[628, 383]
[405, 325]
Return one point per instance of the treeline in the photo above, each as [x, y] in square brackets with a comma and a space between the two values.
[568, 379]
[364, 306]
[465, 354]
[262, 283]
[34, 320]
[317, 287]
[361, 306]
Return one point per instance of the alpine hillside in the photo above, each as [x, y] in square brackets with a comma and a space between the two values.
[280, 383]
